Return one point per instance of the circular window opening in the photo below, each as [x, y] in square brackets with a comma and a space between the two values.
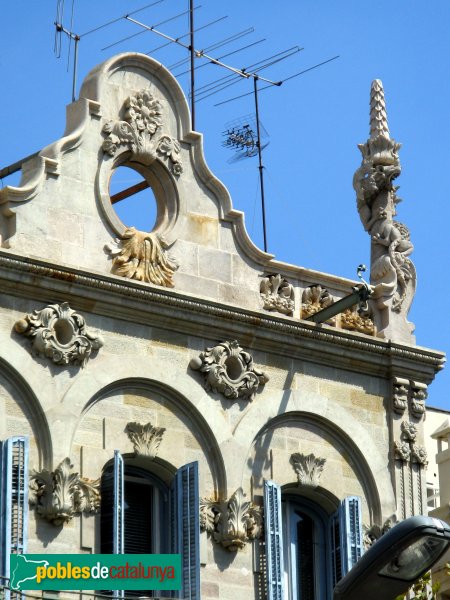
[133, 199]
[63, 331]
[233, 368]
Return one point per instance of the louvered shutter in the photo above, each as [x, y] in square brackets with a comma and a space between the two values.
[350, 525]
[274, 541]
[185, 519]
[118, 510]
[335, 549]
[13, 499]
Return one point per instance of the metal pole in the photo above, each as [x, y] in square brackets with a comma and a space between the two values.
[75, 64]
[192, 51]
[261, 176]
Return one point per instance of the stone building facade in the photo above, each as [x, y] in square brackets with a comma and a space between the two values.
[177, 364]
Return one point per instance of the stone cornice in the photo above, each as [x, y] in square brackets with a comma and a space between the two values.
[160, 307]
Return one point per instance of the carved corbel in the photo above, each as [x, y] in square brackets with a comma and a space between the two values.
[145, 438]
[419, 394]
[59, 333]
[229, 370]
[400, 390]
[59, 495]
[374, 532]
[231, 523]
[277, 294]
[308, 468]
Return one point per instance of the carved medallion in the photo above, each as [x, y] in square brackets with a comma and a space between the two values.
[59, 495]
[229, 370]
[59, 333]
[231, 523]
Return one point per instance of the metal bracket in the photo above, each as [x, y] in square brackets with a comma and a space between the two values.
[361, 294]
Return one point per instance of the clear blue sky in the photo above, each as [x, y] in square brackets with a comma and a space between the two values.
[314, 121]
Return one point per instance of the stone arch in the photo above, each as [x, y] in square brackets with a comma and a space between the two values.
[33, 410]
[339, 423]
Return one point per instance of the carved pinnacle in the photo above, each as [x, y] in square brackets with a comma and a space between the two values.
[378, 117]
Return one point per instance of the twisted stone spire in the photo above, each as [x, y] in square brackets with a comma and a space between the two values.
[378, 117]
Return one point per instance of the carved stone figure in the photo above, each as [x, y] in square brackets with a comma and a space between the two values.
[392, 272]
[60, 495]
[142, 120]
[142, 256]
[314, 299]
[277, 294]
[59, 333]
[231, 523]
[145, 438]
[308, 468]
[229, 370]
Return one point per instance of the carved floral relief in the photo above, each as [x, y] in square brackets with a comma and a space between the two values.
[142, 120]
[229, 370]
[145, 438]
[59, 333]
[406, 449]
[308, 468]
[231, 523]
[142, 256]
[353, 321]
[277, 294]
[61, 494]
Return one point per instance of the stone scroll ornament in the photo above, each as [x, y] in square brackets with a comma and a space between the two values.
[392, 272]
[229, 370]
[137, 254]
[277, 294]
[232, 523]
[59, 333]
[61, 494]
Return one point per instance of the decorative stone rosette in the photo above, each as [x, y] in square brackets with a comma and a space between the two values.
[231, 523]
[59, 333]
[138, 132]
[145, 438]
[59, 495]
[308, 468]
[277, 294]
[406, 449]
[142, 256]
[229, 370]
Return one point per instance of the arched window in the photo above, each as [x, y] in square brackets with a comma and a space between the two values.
[308, 550]
[146, 514]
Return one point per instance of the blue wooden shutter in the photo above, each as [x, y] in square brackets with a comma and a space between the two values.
[335, 550]
[274, 541]
[350, 524]
[13, 499]
[185, 507]
[118, 504]
[118, 510]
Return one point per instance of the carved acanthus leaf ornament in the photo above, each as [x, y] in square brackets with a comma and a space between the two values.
[308, 468]
[277, 294]
[314, 299]
[142, 256]
[61, 494]
[145, 438]
[59, 333]
[353, 321]
[391, 269]
[142, 120]
[231, 523]
[229, 370]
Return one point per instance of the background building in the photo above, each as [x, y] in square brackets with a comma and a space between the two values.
[178, 364]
